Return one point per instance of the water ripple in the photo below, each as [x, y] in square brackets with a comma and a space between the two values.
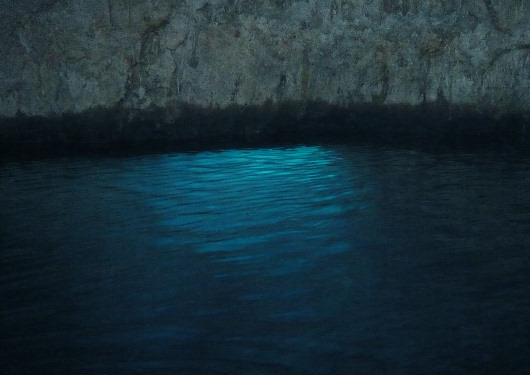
[308, 259]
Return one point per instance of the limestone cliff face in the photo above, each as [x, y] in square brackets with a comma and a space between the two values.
[69, 56]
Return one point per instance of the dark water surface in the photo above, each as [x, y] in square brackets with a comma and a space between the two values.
[302, 260]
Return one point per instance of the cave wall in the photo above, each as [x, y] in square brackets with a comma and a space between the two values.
[70, 56]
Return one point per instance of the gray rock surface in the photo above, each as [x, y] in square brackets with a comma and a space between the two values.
[72, 56]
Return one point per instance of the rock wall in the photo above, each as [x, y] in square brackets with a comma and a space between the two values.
[71, 56]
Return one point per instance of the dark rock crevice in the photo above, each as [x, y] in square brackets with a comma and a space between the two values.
[138, 69]
[494, 18]
[504, 51]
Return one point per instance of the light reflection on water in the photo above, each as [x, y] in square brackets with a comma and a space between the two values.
[309, 259]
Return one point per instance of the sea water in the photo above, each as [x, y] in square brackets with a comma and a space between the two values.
[289, 260]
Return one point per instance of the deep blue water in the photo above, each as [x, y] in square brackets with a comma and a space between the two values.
[301, 260]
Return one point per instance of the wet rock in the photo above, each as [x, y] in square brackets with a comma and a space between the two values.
[133, 59]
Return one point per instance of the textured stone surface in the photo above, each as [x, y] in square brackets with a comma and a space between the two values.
[135, 56]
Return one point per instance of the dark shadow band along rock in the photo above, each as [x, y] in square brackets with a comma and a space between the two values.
[188, 126]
